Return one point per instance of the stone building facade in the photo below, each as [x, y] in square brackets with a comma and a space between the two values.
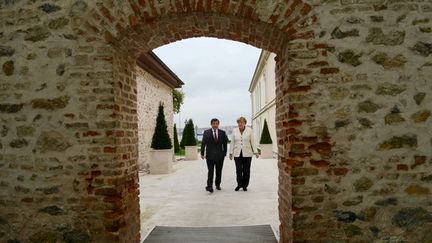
[155, 83]
[263, 96]
[353, 106]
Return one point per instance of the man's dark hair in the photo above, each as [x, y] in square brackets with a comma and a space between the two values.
[214, 120]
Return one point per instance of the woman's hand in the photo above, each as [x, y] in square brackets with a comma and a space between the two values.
[257, 155]
[230, 156]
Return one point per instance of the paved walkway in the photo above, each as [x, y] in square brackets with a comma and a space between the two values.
[179, 198]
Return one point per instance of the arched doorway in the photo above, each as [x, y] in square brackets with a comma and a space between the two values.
[229, 20]
[353, 113]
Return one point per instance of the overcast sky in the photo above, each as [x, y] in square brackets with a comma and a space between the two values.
[216, 73]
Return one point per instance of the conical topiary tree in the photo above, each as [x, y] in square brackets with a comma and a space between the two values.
[184, 134]
[176, 142]
[190, 139]
[265, 135]
[161, 138]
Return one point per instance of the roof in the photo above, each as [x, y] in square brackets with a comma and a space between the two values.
[153, 65]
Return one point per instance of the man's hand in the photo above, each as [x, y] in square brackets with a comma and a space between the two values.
[230, 157]
[202, 156]
[257, 155]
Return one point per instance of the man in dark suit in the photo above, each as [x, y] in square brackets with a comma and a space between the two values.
[214, 144]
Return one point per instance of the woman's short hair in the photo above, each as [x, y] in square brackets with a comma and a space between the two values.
[241, 119]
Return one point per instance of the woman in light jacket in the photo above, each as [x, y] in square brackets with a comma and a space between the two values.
[242, 148]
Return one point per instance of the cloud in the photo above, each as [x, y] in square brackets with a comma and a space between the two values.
[216, 73]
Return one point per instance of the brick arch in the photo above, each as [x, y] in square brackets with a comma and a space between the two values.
[352, 110]
[136, 27]
[141, 26]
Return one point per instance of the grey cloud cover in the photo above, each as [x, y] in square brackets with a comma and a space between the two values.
[216, 73]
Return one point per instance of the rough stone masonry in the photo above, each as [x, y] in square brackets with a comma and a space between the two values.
[354, 98]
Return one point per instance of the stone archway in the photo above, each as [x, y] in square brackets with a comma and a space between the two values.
[353, 105]
[234, 21]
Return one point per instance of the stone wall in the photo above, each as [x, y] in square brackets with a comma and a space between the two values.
[150, 92]
[57, 127]
[360, 134]
[353, 119]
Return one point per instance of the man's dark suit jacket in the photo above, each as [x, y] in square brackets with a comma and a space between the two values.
[214, 151]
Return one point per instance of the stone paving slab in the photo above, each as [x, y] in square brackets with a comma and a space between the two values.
[179, 199]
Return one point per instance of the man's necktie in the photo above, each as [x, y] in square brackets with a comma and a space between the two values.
[215, 137]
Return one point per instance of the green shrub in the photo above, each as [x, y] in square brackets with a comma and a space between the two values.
[189, 134]
[176, 142]
[265, 135]
[184, 134]
[161, 138]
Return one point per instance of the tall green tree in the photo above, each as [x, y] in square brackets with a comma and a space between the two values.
[161, 138]
[178, 99]
[184, 134]
[176, 142]
[265, 135]
[190, 139]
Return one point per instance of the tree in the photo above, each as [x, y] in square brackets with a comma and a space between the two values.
[190, 139]
[265, 135]
[176, 142]
[184, 134]
[178, 98]
[161, 138]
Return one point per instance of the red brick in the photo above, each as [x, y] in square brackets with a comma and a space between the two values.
[294, 123]
[295, 163]
[291, 8]
[340, 171]
[106, 13]
[402, 167]
[418, 160]
[113, 214]
[320, 46]
[303, 36]
[317, 64]
[109, 149]
[292, 114]
[107, 192]
[27, 200]
[298, 181]
[299, 89]
[300, 155]
[319, 163]
[274, 18]
[292, 131]
[306, 9]
[136, 10]
[113, 199]
[91, 134]
[329, 70]
[96, 173]
[69, 115]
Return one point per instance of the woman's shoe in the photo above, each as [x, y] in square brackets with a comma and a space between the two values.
[237, 188]
[245, 189]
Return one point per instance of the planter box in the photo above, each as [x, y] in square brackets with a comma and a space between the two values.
[161, 161]
[266, 151]
[191, 153]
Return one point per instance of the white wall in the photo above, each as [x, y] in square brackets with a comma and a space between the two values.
[262, 98]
